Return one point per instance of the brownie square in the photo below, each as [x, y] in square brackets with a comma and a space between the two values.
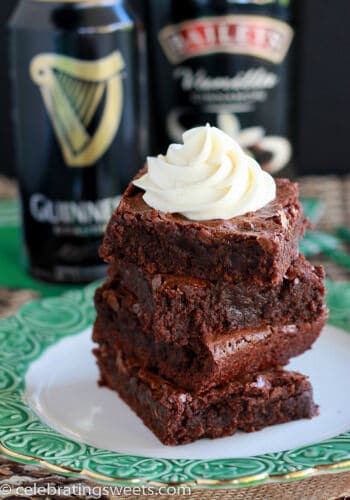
[256, 247]
[204, 363]
[177, 308]
[177, 416]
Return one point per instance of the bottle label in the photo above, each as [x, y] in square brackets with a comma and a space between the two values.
[258, 36]
[71, 218]
[74, 93]
[231, 71]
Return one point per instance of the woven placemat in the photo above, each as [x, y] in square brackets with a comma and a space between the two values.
[8, 188]
[12, 300]
[335, 194]
[324, 487]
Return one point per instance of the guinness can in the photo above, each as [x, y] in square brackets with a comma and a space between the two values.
[77, 127]
[226, 62]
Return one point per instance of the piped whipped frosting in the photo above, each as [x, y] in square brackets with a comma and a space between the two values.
[207, 177]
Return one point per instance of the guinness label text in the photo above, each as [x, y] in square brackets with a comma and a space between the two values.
[82, 213]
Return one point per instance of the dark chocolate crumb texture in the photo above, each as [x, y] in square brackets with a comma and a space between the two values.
[206, 363]
[177, 308]
[178, 417]
[256, 247]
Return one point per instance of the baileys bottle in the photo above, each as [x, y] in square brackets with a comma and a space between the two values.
[227, 63]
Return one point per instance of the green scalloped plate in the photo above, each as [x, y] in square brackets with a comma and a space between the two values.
[25, 438]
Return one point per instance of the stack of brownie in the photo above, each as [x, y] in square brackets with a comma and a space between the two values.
[197, 319]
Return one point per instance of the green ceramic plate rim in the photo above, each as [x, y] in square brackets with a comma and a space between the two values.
[24, 438]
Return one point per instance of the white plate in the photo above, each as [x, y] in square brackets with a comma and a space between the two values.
[61, 387]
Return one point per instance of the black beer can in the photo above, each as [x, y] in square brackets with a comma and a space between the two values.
[77, 128]
[226, 62]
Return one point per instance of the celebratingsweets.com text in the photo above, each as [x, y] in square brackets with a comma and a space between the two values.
[90, 492]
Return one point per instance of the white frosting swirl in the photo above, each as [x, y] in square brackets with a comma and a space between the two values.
[207, 177]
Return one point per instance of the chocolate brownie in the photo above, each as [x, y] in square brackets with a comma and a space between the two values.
[176, 309]
[258, 246]
[206, 363]
[178, 417]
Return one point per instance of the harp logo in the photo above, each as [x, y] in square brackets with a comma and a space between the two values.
[84, 100]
